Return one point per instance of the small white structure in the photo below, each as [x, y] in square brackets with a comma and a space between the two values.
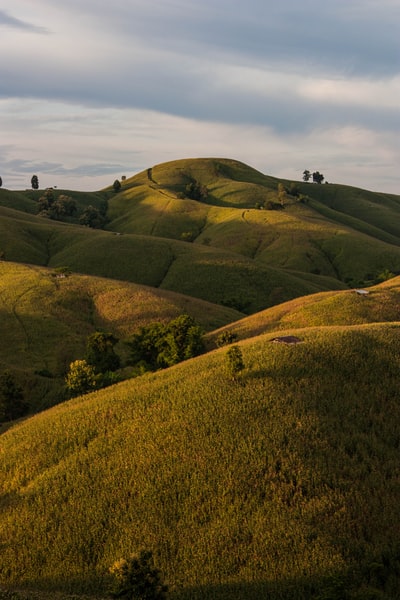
[362, 292]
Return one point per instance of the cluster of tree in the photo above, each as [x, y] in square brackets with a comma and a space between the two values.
[196, 191]
[56, 208]
[155, 346]
[97, 368]
[317, 177]
[158, 345]
[12, 403]
[93, 217]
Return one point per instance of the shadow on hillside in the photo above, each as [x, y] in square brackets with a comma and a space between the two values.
[335, 587]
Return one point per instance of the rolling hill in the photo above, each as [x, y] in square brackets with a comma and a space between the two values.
[280, 483]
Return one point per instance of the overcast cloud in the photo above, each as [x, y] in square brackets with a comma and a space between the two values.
[91, 90]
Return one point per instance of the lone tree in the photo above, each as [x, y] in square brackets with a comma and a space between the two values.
[306, 175]
[234, 361]
[137, 578]
[80, 378]
[35, 182]
[1, 182]
[116, 185]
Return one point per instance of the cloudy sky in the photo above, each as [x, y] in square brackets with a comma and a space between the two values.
[91, 90]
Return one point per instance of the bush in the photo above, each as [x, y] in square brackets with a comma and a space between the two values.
[225, 338]
[137, 578]
[234, 361]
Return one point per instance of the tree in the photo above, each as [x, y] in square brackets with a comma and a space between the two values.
[196, 191]
[281, 194]
[91, 217]
[12, 404]
[234, 361]
[35, 182]
[317, 177]
[65, 205]
[158, 346]
[306, 175]
[137, 578]
[1, 182]
[182, 340]
[81, 378]
[100, 352]
[116, 185]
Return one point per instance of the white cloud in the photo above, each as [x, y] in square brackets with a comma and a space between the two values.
[94, 85]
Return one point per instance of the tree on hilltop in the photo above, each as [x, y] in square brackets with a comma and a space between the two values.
[35, 182]
[306, 175]
[1, 182]
[317, 177]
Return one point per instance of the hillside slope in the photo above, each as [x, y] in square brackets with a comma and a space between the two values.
[283, 484]
[349, 307]
[46, 318]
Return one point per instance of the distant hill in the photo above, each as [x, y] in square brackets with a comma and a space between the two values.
[240, 243]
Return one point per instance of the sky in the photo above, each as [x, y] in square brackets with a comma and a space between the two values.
[91, 90]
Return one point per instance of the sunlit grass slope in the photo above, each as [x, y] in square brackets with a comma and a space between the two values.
[382, 304]
[282, 485]
[45, 320]
[337, 231]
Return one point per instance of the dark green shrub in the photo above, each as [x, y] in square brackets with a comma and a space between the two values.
[234, 361]
[136, 578]
[100, 352]
[225, 338]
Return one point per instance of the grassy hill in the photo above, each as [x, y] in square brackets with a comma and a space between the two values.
[46, 319]
[282, 485]
[382, 304]
[235, 244]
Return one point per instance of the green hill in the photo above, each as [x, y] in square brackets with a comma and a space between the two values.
[46, 318]
[281, 485]
[235, 241]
